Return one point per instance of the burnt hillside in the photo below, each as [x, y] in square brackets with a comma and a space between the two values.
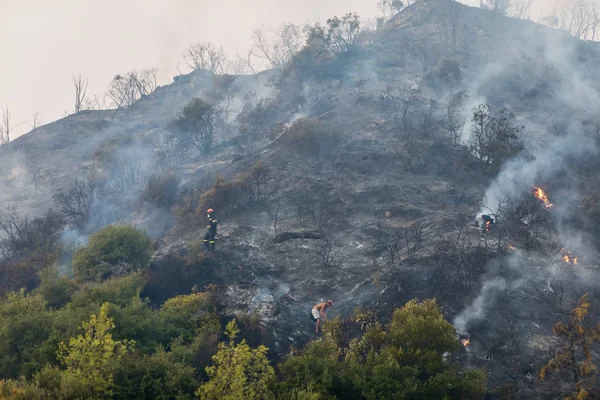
[358, 179]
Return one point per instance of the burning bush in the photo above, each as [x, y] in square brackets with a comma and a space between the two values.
[161, 189]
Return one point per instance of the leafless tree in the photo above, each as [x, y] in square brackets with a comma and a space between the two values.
[36, 122]
[322, 210]
[277, 52]
[520, 9]
[450, 24]
[205, 56]
[453, 121]
[77, 201]
[581, 18]
[256, 184]
[413, 125]
[458, 259]
[237, 66]
[5, 127]
[327, 253]
[499, 6]
[23, 236]
[253, 120]
[389, 8]
[425, 54]
[80, 92]
[125, 90]
[402, 246]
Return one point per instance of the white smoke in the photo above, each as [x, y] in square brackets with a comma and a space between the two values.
[520, 174]
[484, 301]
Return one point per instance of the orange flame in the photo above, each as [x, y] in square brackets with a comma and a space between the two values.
[569, 258]
[540, 194]
[465, 342]
[487, 226]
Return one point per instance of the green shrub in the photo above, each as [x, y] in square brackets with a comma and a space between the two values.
[402, 359]
[109, 247]
[239, 372]
[154, 377]
[55, 290]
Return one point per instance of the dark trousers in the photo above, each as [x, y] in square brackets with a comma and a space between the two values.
[209, 240]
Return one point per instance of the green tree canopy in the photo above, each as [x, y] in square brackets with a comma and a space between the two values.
[111, 246]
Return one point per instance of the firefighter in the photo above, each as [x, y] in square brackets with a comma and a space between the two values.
[211, 231]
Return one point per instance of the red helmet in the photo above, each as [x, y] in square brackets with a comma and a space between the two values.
[210, 210]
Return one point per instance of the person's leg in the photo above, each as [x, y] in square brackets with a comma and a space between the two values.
[317, 327]
[211, 242]
[206, 240]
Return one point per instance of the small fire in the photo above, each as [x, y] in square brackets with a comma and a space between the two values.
[569, 258]
[510, 247]
[540, 194]
[488, 224]
[465, 342]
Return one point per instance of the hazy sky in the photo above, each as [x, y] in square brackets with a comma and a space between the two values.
[45, 42]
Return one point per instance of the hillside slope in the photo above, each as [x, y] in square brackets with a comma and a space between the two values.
[391, 218]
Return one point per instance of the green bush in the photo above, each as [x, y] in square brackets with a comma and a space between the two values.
[400, 360]
[109, 247]
[55, 290]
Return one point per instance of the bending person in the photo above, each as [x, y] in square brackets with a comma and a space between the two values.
[318, 312]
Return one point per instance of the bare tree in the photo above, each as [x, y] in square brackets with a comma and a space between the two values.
[581, 18]
[125, 90]
[76, 203]
[237, 66]
[389, 8]
[277, 52]
[520, 9]
[23, 236]
[450, 24]
[327, 253]
[36, 122]
[253, 120]
[453, 121]
[80, 92]
[5, 127]
[499, 6]
[205, 56]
